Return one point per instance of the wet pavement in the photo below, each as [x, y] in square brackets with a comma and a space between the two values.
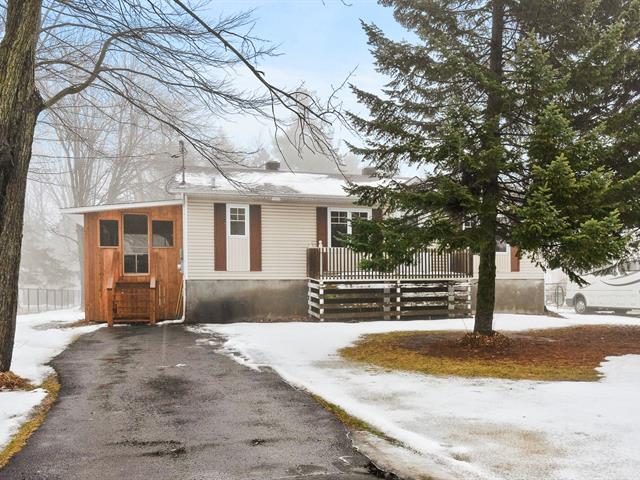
[155, 403]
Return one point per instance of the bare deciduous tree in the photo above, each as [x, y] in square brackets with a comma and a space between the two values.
[52, 50]
[302, 155]
[100, 158]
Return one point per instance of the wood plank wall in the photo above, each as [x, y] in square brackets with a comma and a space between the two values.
[100, 263]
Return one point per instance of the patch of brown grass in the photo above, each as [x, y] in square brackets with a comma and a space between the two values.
[39, 413]
[11, 381]
[348, 420]
[570, 354]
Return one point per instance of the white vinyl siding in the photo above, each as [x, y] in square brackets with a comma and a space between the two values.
[528, 269]
[503, 260]
[287, 231]
[199, 238]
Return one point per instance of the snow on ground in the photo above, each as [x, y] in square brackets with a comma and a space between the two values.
[464, 428]
[39, 338]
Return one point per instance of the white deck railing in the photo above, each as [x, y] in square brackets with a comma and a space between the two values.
[340, 263]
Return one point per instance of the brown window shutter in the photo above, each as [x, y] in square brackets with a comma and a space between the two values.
[255, 238]
[376, 214]
[220, 236]
[321, 226]
[515, 260]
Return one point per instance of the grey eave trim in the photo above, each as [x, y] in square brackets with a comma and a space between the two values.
[275, 198]
[119, 206]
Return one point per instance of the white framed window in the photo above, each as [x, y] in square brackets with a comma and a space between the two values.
[136, 244]
[340, 223]
[501, 246]
[237, 220]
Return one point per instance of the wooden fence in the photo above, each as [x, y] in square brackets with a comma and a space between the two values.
[389, 300]
[333, 263]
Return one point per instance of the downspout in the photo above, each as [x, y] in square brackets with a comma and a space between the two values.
[185, 256]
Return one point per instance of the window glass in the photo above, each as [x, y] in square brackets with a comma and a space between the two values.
[468, 225]
[108, 233]
[162, 233]
[357, 216]
[136, 244]
[237, 221]
[501, 246]
[341, 225]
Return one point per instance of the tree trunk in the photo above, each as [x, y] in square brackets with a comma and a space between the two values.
[20, 105]
[486, 296]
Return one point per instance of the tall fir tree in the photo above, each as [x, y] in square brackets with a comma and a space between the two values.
[523, 119]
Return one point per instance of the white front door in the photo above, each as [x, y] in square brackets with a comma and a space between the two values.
[237, 237]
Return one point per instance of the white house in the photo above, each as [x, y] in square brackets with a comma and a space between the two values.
[246, 249]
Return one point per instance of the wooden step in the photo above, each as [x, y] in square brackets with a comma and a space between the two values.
[131, 320]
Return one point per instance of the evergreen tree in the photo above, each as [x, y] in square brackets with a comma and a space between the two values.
[523, 119]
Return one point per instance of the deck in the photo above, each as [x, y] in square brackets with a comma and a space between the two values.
[433, 284]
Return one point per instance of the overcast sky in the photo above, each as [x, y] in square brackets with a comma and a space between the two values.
[320, 43]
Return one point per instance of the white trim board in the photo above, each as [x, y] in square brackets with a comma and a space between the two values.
[119, 206]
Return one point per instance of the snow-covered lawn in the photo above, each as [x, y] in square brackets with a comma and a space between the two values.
[39, 338]
[463, 428]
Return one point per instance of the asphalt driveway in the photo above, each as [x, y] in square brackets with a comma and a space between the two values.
[155, 403]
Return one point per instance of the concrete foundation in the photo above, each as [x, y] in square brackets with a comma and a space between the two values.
[515, 295]
[228, 301]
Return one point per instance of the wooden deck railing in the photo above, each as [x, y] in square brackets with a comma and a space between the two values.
[349, 300]
[333, 263]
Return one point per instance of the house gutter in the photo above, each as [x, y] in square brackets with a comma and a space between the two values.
[185, 256]
[275, 198]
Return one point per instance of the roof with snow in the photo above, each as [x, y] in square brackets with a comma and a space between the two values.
[261, 182]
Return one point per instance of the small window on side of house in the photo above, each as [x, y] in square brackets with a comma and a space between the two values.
[162, 233]
[501, 246]
[108, 233]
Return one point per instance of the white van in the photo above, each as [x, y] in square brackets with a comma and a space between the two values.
[616, 288]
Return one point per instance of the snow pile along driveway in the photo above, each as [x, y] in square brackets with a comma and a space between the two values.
[463, 428]
[39, 338]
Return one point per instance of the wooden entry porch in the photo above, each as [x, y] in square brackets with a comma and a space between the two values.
[131, 265]
[131, 300]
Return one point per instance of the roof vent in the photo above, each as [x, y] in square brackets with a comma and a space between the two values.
[273, 165]
[369, 171]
